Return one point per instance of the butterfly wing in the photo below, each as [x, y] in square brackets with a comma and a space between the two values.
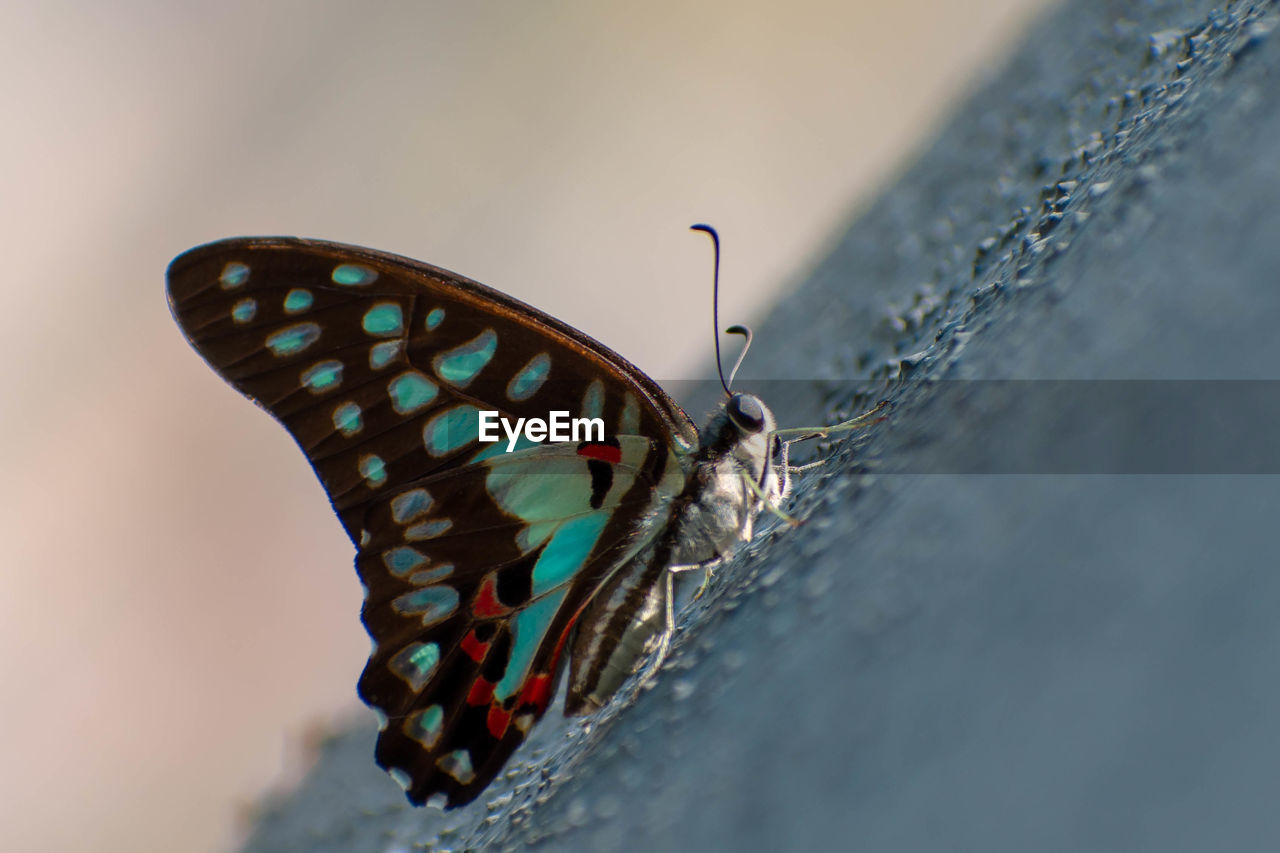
[466, 649]
[476, 562]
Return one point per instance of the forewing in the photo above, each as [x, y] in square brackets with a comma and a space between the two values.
[378, 364]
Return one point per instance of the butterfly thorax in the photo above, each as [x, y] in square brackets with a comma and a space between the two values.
[716, 511]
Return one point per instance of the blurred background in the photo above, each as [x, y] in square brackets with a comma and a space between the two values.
[179, 614]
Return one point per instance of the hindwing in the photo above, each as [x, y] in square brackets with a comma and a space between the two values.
[475, 578]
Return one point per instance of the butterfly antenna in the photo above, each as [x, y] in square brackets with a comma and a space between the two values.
[746, 333]
[715, 299]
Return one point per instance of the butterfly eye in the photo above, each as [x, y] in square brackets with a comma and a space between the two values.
[746, 412]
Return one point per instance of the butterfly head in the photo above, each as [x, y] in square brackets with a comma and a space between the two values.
[742, 428]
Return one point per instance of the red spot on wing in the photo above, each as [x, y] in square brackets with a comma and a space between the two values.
[481, 692]
[603, 452]
[536, 692]
[473, 648]
[497, 721]
[537, 688]
[486, 604]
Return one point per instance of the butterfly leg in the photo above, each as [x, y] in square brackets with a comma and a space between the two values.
[807, 434]
[669, 629]
[707, 566]
[862, 421]
[768, 503]
[707, 574]
[785, 462]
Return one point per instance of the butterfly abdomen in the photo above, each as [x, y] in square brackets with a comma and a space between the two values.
[620, 627]
[627, 619]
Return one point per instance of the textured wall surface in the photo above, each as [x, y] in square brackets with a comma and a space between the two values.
[978, 643]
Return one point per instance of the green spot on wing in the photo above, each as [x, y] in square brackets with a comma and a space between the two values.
[292, 340]
[402, 560]
[297, 300]
[451, 430]
[533, 535]
[431, 575]
[434, 318]
[410, 392]
[434, 603]
[629, 423]
[407, 506]
[347, 419]
[463, 363]
[537, 489]
[383, 353]
[384, 318]
[324, 376]
[425, 726]
[527, 627]
[353, 275]
[458, 765]
[567, 552]
[243, 311]
[593, 400]
[428, 529]
[373, 469]
[530, 377]
[415, 663]
[233, 275]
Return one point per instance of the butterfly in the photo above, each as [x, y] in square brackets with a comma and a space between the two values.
[485, 564]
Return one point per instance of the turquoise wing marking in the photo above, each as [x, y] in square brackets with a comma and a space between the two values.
[483, 569]
[529, 627]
